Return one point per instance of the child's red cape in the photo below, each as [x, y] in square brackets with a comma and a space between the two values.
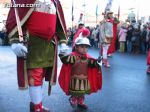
[94, 77]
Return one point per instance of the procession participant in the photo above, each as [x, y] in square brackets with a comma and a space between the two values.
[80, 73]
[78, 30]
[105, 37]
[43, 27]
[114, 22]
[148, 57]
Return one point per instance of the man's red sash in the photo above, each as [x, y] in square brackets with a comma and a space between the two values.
[42, 24]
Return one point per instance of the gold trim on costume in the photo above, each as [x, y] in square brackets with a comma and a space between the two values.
[14, 39]
[77, 84]
[62, 41]
[82, 85]
[68, 60]
[72, 59]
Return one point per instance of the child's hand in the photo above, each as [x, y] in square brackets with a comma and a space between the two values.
[63, 47]
[99, 61]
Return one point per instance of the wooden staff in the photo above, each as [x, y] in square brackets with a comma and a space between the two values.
[18, 23]
[21, 61]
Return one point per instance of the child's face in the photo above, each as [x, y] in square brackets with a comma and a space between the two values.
[82, 49]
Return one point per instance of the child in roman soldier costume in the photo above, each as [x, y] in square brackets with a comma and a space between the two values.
[80, 73]
[43, 27]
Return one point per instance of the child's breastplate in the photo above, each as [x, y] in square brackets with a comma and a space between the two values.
[79, 69]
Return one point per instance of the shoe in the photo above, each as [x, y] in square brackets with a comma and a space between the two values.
[106, 64]
[83, 106]
[39, 107]
[81, 103]
[44, 109]
[73, 101]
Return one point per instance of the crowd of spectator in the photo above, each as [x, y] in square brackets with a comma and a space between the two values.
[3, 38]
[130, 38]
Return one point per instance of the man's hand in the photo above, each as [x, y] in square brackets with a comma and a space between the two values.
[63, 48]
[19, 49]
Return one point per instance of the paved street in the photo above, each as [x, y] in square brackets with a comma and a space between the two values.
[126, 87]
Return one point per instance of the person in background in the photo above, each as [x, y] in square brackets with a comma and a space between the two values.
[79, 30]
[129, 36]
[94, 37]
[105, 37]
[122, 38]
[136, 40]
[143, 43]
[115, 22]
[148, 49]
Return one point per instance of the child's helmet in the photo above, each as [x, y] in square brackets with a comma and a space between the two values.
[82, 38]
[84, 41]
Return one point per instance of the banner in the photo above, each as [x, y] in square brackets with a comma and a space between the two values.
[72, 11]
[119, 12]
[96, 13]
[108, 6]
[81, 18]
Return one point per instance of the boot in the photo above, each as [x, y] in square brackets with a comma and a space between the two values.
[106, 64]
[38, 108]
[81, 103]
[73, 101]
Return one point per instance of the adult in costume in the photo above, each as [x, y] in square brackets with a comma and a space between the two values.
[80, 73]
[43, 27]
[105, 37]
[115, 22]
[79, 30]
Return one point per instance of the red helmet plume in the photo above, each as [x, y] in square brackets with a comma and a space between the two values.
[85, 32]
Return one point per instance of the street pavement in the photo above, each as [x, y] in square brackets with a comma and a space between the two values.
[126, 87]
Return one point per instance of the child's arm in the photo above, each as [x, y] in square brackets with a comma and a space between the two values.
[67, 59]
[94, 63]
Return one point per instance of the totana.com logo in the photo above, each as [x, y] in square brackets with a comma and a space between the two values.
[9, 5]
